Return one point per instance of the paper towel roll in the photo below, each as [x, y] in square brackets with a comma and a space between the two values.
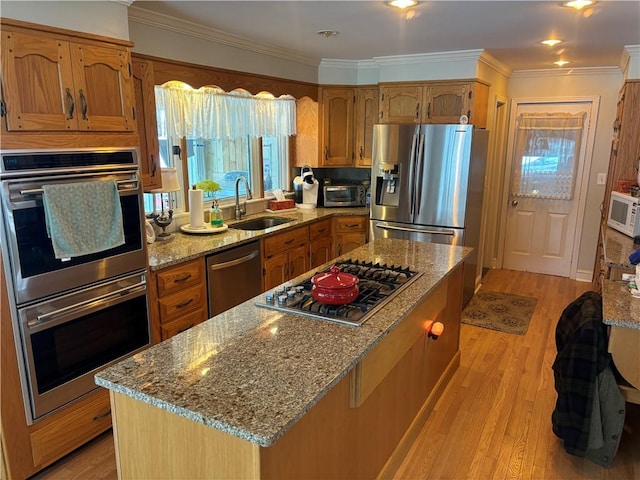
[196, 208]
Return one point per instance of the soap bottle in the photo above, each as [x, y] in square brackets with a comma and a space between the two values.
[215, 215]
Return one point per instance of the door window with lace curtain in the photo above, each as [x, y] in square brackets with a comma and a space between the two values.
[547, 147]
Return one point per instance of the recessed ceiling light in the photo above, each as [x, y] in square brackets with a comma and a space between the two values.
[561, 63]
[327, 33]
[551, 42]
[578, 4]
[402, 3]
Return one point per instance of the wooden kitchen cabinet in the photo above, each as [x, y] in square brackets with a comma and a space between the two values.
[337, 127]
[58, 81]
[401, 103]
[143, 83]
[435, 102]
[624, 157]
[177, 298]
[366, 116]
[286, 255]
[320, 243]
[349, 232]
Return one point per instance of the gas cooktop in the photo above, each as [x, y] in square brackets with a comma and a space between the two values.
[378, 283]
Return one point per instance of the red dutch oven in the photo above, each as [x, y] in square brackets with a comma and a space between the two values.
[335, 287]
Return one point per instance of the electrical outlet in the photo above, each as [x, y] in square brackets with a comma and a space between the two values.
[602, 179]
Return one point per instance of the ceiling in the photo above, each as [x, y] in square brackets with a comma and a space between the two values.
[510, 31]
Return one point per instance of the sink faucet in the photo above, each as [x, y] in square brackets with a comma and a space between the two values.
[240, 211]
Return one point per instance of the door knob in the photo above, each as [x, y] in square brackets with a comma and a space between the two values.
[514, 203]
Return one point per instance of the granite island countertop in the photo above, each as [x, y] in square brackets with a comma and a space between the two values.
[253, 372]
[183, 247]
[619, 307]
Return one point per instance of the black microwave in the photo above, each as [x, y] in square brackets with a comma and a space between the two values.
[344, 195]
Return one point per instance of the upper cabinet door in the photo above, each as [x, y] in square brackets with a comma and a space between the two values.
[447, 103]
[366, 117]
[37, 82]
[337, 127]
[146, 122]
[104, 89]
[401, 103]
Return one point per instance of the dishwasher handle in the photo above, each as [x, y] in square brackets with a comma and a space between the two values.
[237, 261]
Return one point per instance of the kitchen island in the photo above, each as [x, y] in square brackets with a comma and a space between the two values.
[257, 393]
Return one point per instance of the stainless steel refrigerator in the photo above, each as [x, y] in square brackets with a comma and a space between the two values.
[427, 185]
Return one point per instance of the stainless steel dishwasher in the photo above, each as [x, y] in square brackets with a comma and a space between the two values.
[233, 276]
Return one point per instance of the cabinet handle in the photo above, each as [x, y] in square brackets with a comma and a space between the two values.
[417, 111]
[186, 328]
[428, 110]
[71, 104]
[313, 259]
[289, 241]
[286, 271]
[380, 113]
[361, 152]
[187, 276]
[351, 225]
[326, 152]
[339, 249]
[100, 416]
[185, 303]
[293, 268]
[321, 230]
[153, 166]
[83, 105]
[469, 114]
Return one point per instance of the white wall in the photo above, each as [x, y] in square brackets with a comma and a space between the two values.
[173, 39]
[97, 17]
[605, 83]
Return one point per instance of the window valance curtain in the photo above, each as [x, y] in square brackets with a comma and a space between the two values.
[212, 113]
[547, 148]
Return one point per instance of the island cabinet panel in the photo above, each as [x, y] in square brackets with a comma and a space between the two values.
[170, 446]
[177, 299]
[370, 372]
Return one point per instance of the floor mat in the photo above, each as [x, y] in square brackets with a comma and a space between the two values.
[500, 311]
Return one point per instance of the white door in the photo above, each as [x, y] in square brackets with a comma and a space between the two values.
[548, 144]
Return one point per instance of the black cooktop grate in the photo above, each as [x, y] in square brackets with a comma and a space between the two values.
[378, 284]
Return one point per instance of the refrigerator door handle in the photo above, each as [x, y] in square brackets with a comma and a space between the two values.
[418, 180]
[386, 226]
[412, 174]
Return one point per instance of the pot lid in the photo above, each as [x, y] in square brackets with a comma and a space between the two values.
[335, 279]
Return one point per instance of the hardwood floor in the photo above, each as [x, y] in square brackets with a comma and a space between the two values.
[493, 420]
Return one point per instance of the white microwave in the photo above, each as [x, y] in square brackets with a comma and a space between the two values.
[623, 214]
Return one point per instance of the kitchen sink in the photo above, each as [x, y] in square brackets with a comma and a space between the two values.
[260, 223]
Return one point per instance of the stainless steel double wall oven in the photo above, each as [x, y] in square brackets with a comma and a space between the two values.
[73, 316]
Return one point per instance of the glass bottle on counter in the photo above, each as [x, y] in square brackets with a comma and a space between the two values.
[215, 215]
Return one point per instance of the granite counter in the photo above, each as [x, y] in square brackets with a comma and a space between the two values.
[253, 373]
[183, 246]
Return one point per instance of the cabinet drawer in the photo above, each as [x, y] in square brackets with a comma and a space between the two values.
[83, 422]
[187, 301]
[351, 224]
[320, 229]
[179, 325]
[181, 276]
[284, 241]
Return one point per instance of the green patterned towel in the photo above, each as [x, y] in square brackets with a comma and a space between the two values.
[83, 218]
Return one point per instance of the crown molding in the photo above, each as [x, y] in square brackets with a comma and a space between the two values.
[353, 65]
[565, 72]
[165, 22]
[631, 58]
[123, 2]
[427, 58]
[495, 64]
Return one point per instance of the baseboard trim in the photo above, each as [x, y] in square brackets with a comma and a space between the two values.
[584, 275]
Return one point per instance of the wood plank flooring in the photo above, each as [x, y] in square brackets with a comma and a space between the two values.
[493, 420]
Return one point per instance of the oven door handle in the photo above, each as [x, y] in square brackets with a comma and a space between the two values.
[122, 185]
[49, 318]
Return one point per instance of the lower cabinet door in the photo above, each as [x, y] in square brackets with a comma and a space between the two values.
[174, 327]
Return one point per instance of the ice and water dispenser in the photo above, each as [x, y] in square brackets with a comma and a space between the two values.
[387, 184]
